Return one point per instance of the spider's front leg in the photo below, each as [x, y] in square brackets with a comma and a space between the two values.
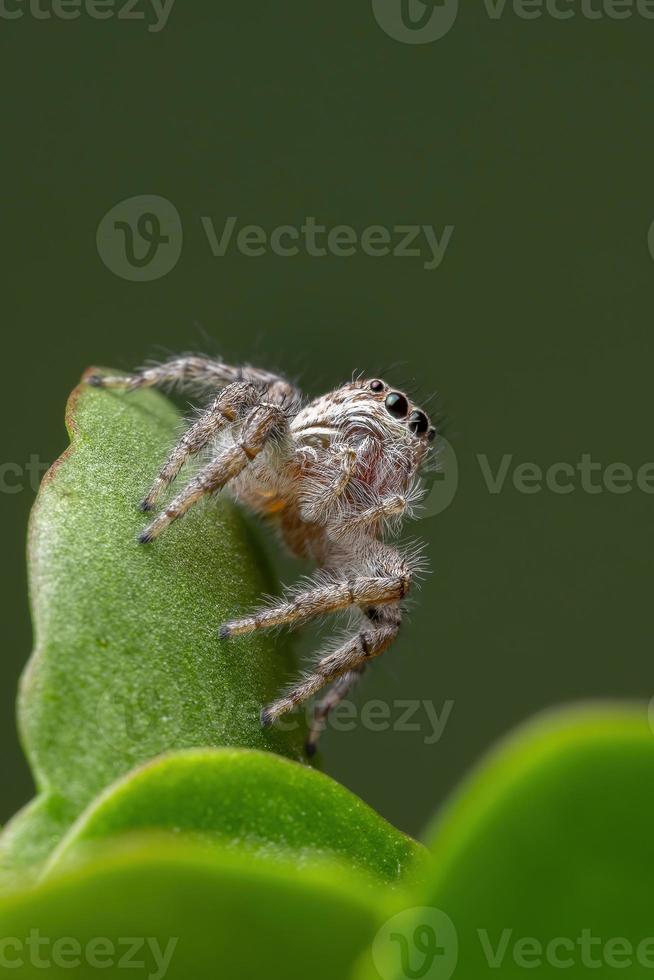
[321, 499]
[223, 411]
[262, 422]
[191, 371]
[387, 509]
[322, 502]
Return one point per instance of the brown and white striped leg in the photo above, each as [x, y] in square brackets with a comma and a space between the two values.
[354, 654]
[323, 599]
[322, 499]
[386, 509]
[225, 409]
[193, 371]
[340, 690]
[260, 424]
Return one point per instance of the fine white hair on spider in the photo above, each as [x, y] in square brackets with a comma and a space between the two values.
[337, 475]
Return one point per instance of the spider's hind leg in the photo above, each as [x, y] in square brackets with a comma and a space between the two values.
[331, 597]
[379, 599]
[338, 692]
[353, 655]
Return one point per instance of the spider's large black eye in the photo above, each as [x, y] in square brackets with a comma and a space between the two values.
[377, 386]
[397, 405]
[418, 423]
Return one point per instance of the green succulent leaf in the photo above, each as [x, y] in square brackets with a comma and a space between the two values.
[543, 862]
[180, 909]
[251, 800]
[127, 663]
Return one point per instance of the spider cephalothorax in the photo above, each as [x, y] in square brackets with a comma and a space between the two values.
[335, 474]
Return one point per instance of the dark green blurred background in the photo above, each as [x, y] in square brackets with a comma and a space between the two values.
[532, 138]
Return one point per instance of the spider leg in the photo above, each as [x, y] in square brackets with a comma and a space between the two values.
[353, 655]
[386, 509]
[384, 621]
[191, 371]
[259, 425]
[224, 410]
[336, 595]
[322, 499]
[340, 690]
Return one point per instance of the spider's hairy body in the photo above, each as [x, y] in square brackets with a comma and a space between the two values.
[336, 475]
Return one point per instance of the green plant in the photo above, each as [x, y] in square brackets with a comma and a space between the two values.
[166, 814]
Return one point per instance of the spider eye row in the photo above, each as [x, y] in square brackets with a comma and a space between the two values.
[397, 405]
[418, 423]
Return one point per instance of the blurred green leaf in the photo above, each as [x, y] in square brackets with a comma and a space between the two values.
[253, 800]
[544, 861]
[193, 912]
[127, 663]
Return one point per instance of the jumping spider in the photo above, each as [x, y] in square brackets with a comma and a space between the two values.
[335, 475]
